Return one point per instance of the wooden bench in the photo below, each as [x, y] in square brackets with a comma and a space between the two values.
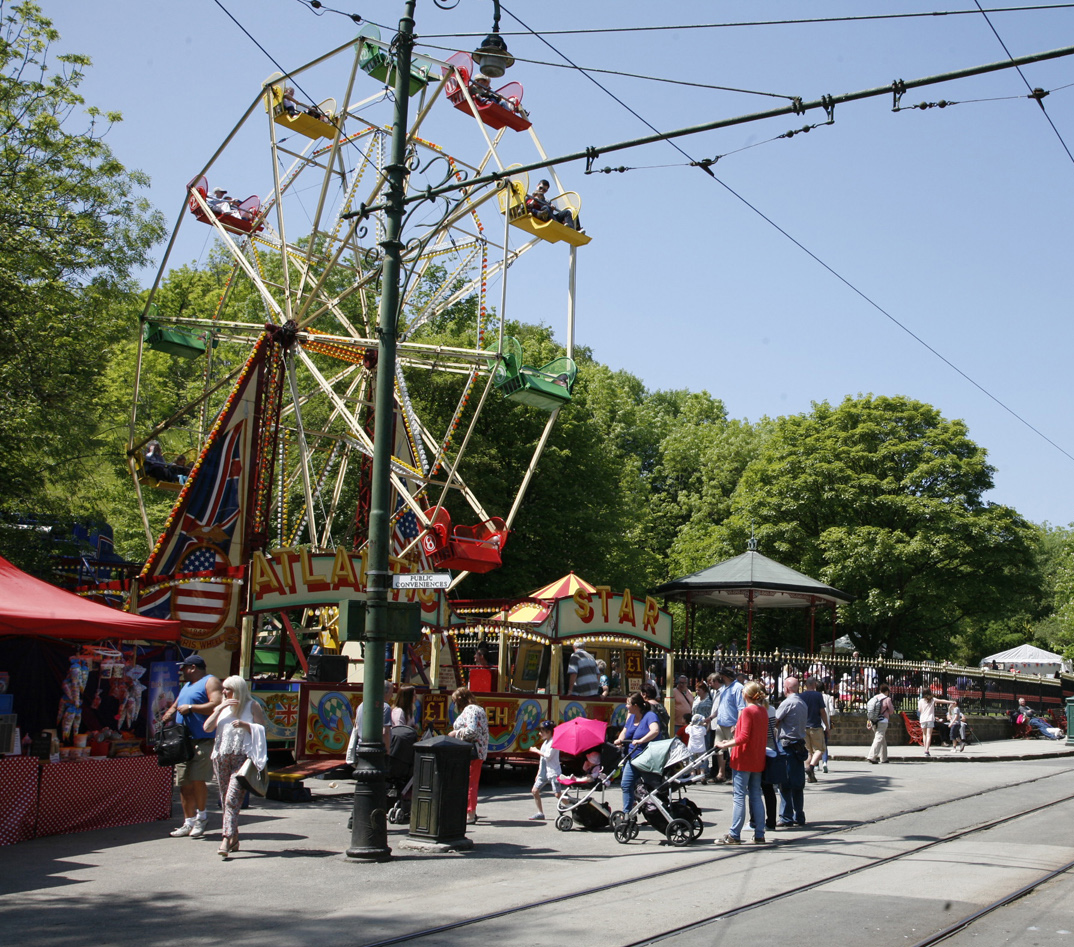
[285, 784]
[306, 768]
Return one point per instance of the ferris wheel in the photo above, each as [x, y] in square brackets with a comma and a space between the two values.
[277, 439]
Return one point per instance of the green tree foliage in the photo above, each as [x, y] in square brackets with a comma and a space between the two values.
[1057, 632]
[73, 228]
[1040, 620]
[882, 497]
[583, 510]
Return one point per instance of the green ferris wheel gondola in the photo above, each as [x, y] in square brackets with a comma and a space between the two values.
[548, 387]
[173, 341]
[374, 60]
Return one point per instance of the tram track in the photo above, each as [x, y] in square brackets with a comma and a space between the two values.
[996, 905]
[603, 889]
[859, 869]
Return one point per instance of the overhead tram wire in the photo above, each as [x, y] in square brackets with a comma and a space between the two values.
[603, 88]
[269, 55]
[817, 259]
[347, 140]
[1037, 94]
[317, 8]
[798, 107]
[630, 75]
[804, 21]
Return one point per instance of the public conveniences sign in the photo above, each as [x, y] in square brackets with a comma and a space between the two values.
[606, 613]
[292, 578]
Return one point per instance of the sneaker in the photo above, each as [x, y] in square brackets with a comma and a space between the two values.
[961, 747]
[536, 817]
[784, 825]
[184, 830]
[760, 841]
[824, 768]
[874, 762]
[197, 828]
[729, 840]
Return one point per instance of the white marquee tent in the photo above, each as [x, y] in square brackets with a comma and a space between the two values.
[1027, 659]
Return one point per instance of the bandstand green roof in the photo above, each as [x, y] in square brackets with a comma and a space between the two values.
[751, 579]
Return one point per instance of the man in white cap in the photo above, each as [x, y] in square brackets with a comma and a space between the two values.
[220, 203]
[199, 697]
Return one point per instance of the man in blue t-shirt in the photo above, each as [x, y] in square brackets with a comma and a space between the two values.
[198, 698]
[729, 703]
[816, 724]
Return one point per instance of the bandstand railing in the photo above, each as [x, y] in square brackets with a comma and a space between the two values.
[852, 680]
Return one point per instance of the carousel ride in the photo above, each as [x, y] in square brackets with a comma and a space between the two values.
[273, 441]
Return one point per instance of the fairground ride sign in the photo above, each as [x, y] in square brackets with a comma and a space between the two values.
[294, 578]
[604, 613]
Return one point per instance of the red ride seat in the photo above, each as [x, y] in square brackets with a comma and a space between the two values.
[466, 548]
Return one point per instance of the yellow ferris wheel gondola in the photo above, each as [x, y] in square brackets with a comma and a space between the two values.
[518, 204]
[313, 121]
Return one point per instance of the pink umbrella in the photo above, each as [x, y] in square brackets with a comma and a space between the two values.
[578, 735]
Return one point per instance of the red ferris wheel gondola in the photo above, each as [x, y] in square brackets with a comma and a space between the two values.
[496, 108]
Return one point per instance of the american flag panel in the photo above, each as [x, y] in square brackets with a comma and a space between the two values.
[406, 527]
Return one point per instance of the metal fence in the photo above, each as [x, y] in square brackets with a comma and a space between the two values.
[852, 679]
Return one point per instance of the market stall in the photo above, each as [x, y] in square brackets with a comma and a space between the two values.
[529, 642]
[74, 711]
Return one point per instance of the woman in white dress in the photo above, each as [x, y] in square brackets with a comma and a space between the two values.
[926, 716]
[240, 735]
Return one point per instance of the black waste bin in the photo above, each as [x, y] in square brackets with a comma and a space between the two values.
[441, 784]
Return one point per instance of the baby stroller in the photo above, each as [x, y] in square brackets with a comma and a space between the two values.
[582, 801]
[664, 770]
[400, 772]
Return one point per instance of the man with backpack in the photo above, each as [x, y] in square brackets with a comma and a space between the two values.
[879, 712]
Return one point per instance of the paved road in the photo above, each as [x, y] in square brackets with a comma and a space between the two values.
[290, 884]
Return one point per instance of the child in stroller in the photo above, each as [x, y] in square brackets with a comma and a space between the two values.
[592, 770]
[582, 800]
[400, 772]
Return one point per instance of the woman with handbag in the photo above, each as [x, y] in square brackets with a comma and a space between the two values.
[240, 738]
[471, 725]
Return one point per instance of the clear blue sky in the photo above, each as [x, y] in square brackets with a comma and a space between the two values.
[955, 221]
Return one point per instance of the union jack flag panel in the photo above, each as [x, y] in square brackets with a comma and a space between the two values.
[208, 529]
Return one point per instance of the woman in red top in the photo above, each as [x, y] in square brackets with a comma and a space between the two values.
[747, 764]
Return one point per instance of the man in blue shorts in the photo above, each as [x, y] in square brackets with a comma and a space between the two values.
[816, 724]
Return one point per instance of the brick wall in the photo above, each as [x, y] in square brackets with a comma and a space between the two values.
[850, 730]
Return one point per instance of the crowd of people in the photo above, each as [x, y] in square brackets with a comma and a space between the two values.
[766, 753]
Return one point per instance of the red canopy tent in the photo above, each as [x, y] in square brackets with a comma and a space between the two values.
[29, 606]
